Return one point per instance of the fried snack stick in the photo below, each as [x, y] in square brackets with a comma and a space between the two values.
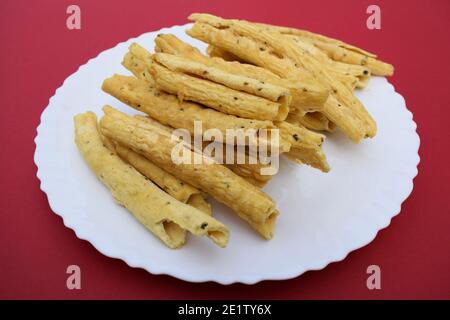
[248, 49]
[309, 159]
[298, 55]
[250, 172]
[216, 96]
[274, 45]
[166, 108]
[164, 216]
[169, 111]
[173, 186]
[244, 165]
[335, 52]
[306, 149]
[346, 52]
[176, 188]
[217, 52]
[242, 83]
[345, 68]
[351, 75]
[307, 94]
[246, 200]
[306, 146]
[311, 120]
[307, 97]
[338, 50]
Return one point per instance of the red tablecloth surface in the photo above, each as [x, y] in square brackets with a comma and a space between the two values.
[38, 52]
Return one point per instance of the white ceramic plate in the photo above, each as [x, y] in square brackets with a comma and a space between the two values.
[323, 216]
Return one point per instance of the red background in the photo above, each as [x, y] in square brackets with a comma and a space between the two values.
[38, 52]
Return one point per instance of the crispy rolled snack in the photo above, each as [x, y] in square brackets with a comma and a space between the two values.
[250, 203]
[137, 67]
[338, 50]
[217, 96]
[376, 67]
[315, 36]
[344, 118]
[249, 171]
[175, 187]
[234, 81]
[244, 165]
[198, 201]
[169, 43]
[306, 93]
[311, 120]
[254, 170]
[349, 74]
[306, 146]
[164, 216]
[169, 111]
[277, 46]
[217, 52]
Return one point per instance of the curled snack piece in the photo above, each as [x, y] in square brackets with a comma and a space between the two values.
[175, 187]
[285, 58]
[306, 145]
[306, 93]
[231, 80]
[250, 203]
[311, 120]
[217, 96]
[164, 216]
[337, 49]
[168, 110]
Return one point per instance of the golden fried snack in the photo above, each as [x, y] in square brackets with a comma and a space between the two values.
[311, 120]
[250, 171]
[231, 80]
[175, 187]
[349, 74]
[284, 58]
[250, 203]
[217, 52]
[198, 201]
[316, 36]
[306, 98]
[164, 216]
[137, 67]
[338, 50]
[217, 96]
[376, 67]
[244, 165]
[178, 63]
[307, 94]
[306, 145]
[166, 108]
